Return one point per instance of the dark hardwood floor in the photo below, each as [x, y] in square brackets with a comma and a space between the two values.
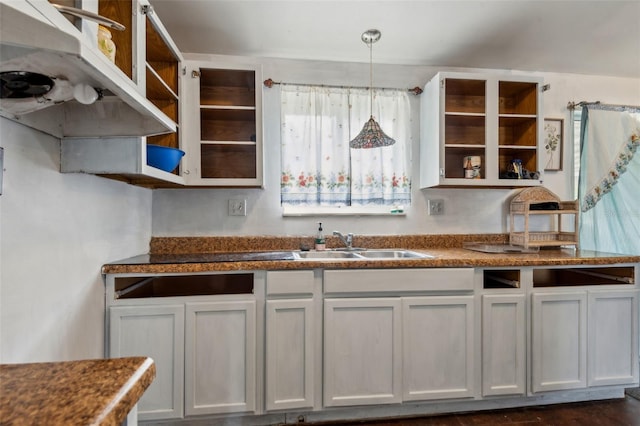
[613, 412]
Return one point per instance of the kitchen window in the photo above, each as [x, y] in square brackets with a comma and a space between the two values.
[320, 173]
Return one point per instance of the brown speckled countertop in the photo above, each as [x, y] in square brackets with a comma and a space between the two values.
[88, 392]
[209, 254]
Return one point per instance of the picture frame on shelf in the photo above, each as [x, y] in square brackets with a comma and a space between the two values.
[553, 144]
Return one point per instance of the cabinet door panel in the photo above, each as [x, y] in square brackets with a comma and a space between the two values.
[613, 337]
[289, 354]
[559, 341]
[503, 344]
[156, 332]
[437, 347]
[362, 351]
[220, 357]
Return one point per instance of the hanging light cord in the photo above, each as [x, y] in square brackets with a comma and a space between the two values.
[370, 43]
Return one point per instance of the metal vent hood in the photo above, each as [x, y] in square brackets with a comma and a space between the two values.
[33, 42]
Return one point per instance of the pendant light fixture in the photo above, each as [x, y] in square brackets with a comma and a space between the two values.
[371, 135]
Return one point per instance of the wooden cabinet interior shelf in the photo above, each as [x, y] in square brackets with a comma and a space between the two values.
[616, 275]
[122, 12]
[228, 123]
[517, 124]
[465, 124]
[188, 285]
[162, 82]
[501, 278]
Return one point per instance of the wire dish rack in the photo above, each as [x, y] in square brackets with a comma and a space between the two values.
[540, 201]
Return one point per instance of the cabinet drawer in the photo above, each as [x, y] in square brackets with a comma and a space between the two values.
[289, 282]
[396, 280]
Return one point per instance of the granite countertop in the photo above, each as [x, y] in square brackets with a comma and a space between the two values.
[210, 254]
[88, 392]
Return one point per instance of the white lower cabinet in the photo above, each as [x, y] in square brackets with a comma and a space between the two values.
[220, 357]
[438, 347]
[559, 341]
[584, 338]
[156, 332]
[390, 350]
[613, 337]
[362, 351]
[503, 344]
[289, 357]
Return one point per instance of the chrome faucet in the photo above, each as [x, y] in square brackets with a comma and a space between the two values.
[347, 241]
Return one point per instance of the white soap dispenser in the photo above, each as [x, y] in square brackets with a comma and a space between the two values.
[320, 241]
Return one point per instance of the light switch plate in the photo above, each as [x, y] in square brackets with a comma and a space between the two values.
[1, 167]
[435, 207]
[237, 207]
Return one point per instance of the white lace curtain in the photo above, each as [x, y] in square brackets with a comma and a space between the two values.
[609, 179]
[319, 168]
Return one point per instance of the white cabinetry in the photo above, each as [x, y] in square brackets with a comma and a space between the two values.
[147, 55]
[223, 123]
[587, 336]
[382, 350]
[290, 340]
[156, 332]
[362, 351]
[559, 341]
[438, 347]
[496, 118]
[613, 337]
[54, 46]
[220, 357]
[503, 344]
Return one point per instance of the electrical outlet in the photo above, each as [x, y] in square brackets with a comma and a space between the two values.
[435, 207]
[237, 207]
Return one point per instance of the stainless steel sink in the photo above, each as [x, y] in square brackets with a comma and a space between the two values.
[328, 255]
[391, 254]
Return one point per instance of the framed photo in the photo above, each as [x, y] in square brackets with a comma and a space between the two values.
[553, 132]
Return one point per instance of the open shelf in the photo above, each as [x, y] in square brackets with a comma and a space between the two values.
[583, 276]
[176, 286]
[501, 278]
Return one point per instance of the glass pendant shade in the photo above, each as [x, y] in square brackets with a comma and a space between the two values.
[371, 135]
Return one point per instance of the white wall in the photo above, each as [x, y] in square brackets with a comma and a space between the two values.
[204, 211]
[57, 230]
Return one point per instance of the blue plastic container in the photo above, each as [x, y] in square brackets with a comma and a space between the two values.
[163, 157]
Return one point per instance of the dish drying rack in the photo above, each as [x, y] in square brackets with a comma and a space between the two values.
[540, 201]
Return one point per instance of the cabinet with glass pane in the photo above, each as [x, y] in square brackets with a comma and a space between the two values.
[224, 132]
[475, 127]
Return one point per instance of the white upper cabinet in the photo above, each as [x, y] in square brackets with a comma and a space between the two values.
[223, 123]
[495, 120]
[37, 38]
[150, 59]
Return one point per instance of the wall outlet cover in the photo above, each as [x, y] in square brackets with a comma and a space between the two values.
[435, 207]
[237, 207]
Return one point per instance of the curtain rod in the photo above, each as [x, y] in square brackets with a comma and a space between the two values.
[573, 105]
[269, 83]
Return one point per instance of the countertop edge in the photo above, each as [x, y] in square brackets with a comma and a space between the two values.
[442, 258]
[96, 392]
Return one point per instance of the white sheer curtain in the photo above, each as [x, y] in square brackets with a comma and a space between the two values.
[609, 183]
[319, 168]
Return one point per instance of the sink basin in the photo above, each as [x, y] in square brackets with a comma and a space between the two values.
[319, 255]
[360, 254]
[393, 254]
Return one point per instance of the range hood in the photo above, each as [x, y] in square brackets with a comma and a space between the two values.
[36, 38]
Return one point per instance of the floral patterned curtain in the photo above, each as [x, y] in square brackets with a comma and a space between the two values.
[609, 179]
[319, 168]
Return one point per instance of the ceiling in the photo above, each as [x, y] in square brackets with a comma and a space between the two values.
[578, 36]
